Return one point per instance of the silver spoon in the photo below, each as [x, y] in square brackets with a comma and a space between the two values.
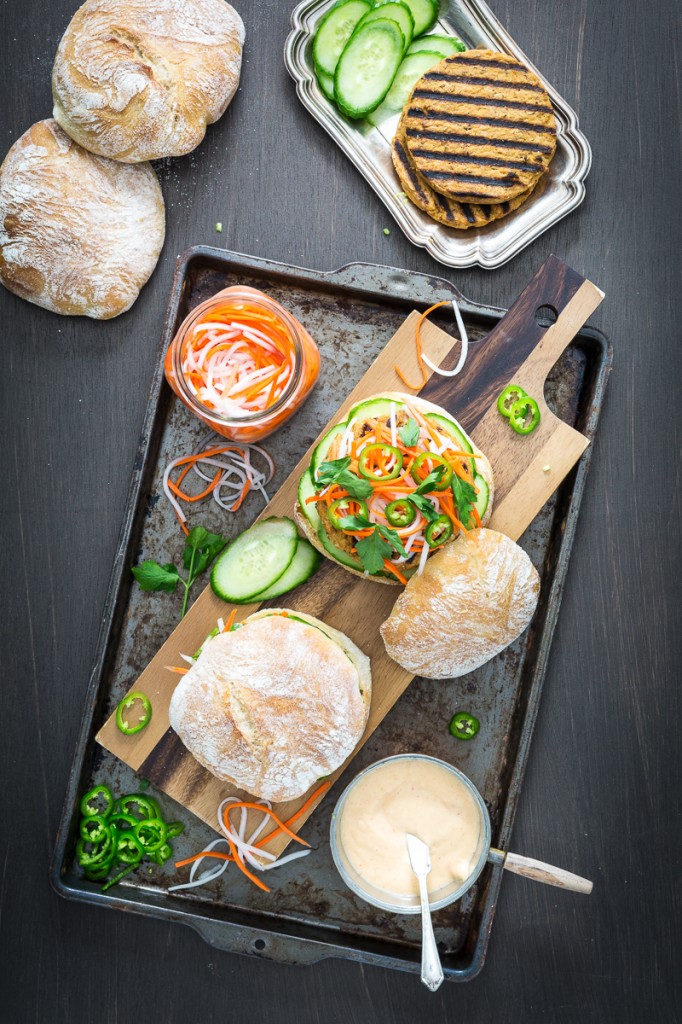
[420, 859]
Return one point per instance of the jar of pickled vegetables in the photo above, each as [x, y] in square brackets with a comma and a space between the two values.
[242, 363]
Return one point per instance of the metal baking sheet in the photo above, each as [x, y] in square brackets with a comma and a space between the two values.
[370, 148]
[310, 914]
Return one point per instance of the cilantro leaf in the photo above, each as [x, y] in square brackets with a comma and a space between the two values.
[355, 523]
[152, 576]
[392, 538]
[423, 505]
[337, 472]
[429, 482]
[372, 551]
[327, 471]
[409, 433]
[465, 496]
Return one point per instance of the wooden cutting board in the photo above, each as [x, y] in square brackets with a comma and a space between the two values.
[518, 350]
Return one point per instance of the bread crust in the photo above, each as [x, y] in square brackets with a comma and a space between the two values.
[79, 235]
[482, 465]
[474, 598]
[274, 705]
[139, 80]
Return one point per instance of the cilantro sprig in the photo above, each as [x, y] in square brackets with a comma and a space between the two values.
[465, 496]
[409, 433]
[337, 472]
[201, 547]
[380, 544]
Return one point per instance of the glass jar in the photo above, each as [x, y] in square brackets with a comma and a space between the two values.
[249, 426]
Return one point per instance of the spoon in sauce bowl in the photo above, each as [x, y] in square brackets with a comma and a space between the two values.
[420, 859]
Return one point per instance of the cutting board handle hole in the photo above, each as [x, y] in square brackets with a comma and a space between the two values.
[259, 944]
[545, 316]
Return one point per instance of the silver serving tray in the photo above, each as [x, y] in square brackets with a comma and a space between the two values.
[370, 148]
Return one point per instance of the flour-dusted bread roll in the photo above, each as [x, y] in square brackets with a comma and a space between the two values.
[79, 235]
[474, 597]
[275, 704]
[140, 79]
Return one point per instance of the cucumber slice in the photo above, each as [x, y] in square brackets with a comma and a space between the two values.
[306, 489]
[461, 441]
[367, 67]
[444, 45]
[322, 449]
[410, 71]
[334, 31]
[305, 562]
[460, 438]
[424, 12]
[483, 495]
[372, 407]
[326, 83]
[254, 560]
[393, 10]
[338, 554]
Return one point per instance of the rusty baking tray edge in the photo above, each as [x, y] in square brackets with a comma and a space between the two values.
[291, 944]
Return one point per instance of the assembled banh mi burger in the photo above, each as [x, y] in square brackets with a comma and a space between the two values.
[395, 481]
[275, 704]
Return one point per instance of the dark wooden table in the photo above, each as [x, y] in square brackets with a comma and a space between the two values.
[601, 793]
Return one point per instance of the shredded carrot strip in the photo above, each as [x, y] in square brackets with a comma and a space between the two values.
[299, 813]
[230, 621]
[179, 671]
[266, 810]
[393, 569]
[204, 853]
[420, 359]
[477, 518]
[240, 863]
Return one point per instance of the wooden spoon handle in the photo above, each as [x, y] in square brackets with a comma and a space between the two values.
[547, 873]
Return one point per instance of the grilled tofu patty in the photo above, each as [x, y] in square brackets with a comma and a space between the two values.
[438, 207]
[480, 127]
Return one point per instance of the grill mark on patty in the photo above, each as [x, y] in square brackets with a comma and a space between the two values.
[505, 206]
[409, 171]
[476, 140]
[487, 122]
[439, 76]
[474, 179]
[483, 101]
[469, 57]
[447, 208]
[468, 158]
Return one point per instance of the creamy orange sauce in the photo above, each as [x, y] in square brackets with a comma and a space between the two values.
[410, 796]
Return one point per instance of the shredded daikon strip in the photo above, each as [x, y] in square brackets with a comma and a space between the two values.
[207, 876]
[394, 432]
[464, 339]
[422, 559]
[188, 658]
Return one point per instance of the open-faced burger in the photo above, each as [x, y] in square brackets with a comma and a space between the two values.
[396, 480]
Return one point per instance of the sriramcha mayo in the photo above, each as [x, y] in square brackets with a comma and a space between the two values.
[410, 795]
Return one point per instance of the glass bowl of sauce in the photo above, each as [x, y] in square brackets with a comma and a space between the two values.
[418, 794]
[242, 363]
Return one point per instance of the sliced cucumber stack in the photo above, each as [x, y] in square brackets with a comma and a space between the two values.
[393, 10]
[264, 561]
[444, 45]
[305, 562]
[334, 31]
[410, 71]
[424, 13]
[367, 67]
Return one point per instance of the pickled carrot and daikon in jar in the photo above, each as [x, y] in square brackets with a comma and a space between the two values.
[242, 363]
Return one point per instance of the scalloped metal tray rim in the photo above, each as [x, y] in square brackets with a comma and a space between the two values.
[450, 247]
